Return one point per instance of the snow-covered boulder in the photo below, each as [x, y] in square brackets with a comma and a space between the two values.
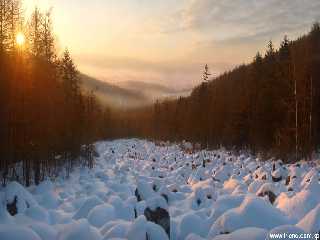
[311, 222]
[225, 203]
[159, 216]
[17, 198]
[5, 217]
[140, 229]
[38, 213]
[14, 232]
[123, 210]
[84, 210]
[298, 205]
[80, 230]
[101, 214]
[253, 212]
[115, 229]
[45, 231]
[268, 190]
[191, 223]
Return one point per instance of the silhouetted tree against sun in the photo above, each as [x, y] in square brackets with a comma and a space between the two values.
[47, 123]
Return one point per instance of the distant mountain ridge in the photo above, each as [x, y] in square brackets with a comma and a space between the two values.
[129, 94]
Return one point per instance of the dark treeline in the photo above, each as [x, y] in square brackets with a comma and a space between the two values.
[46, 121]
[271, 106]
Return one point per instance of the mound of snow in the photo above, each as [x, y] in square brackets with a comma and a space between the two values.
[80, 230]
[225, 203]
[86, 207]
[138, 229]
[311, 222]
[191, 223]
[19, 196]
[115, 229]
[50, 200]
[13, 232]
[5, 217]
[45, 231]
[101, 214]
[297, 206]
[45, 186]
[253, 212]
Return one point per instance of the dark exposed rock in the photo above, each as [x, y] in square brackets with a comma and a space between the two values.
[136, 193]
[274, 179]
[272, 197]
[12, 207]
[165, 197]
[287, 180]
[159, 216]
[273, 167]
[154, 187]
[215, 179]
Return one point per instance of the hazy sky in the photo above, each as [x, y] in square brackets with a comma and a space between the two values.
[169, 41]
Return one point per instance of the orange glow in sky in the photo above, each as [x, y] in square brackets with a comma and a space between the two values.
[169, 41]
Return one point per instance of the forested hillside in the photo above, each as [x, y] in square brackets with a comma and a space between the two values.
[46, 121]
[268, 106]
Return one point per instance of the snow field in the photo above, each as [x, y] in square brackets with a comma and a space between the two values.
[138, 190]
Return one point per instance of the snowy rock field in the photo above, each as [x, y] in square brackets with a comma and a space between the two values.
[140, 191]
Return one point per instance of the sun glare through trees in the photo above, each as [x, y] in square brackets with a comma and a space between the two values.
[20, 39]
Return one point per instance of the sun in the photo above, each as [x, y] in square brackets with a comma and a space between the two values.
[20, 39]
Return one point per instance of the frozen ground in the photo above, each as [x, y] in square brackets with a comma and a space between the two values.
[208, 195]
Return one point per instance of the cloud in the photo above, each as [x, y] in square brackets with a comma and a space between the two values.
[230, 19]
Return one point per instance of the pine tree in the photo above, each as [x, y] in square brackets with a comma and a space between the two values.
[206, 74]
[14, 19]
[4, 24]
[34, 33]
[47, 38]
[270, 50]
[69, 76]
